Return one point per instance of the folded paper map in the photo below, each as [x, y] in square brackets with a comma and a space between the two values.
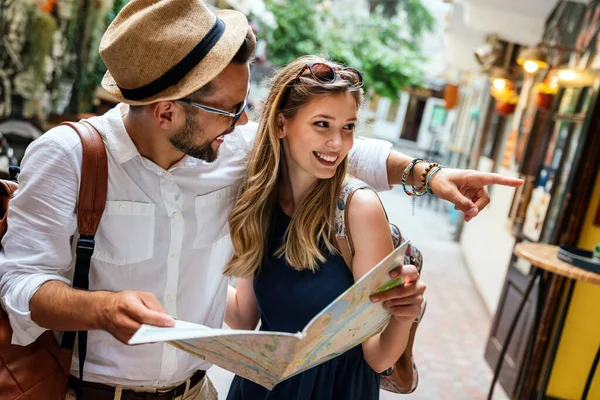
[268, 358]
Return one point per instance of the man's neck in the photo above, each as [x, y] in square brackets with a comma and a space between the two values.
[151, 144]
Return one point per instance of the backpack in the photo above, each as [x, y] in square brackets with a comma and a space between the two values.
[41, 369]
[403, 377]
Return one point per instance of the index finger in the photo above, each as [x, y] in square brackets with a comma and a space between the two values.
[488, 178]
[410, 275]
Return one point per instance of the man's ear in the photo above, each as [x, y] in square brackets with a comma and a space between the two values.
[164, 114]
[281, 123]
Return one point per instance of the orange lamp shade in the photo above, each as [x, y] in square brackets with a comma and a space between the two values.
[451, 96]
[46, 5]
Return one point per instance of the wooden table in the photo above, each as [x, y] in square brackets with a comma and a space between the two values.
[543, 257]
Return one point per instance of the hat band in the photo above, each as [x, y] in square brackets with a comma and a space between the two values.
[179, 70]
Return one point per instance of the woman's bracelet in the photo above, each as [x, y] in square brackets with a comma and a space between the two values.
[407, 172]
[425, 172]
[432, 173]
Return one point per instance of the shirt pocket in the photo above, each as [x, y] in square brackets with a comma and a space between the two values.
[126, 233]
[212, 213]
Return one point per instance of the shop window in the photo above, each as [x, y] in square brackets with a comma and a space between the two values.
[412, 121]
[392, 113]
[494, 136]
[374, 103]
[438, 117]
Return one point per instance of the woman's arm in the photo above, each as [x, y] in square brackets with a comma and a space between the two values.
[242, 310]
[372, 242]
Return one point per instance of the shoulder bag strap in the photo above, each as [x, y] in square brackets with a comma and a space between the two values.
[343, 238]
[91, 203]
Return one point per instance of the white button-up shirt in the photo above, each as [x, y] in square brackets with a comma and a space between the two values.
[163, 232]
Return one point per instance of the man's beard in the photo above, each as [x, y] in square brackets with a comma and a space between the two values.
[184, 140]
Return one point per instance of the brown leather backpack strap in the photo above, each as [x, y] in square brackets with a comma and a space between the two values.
[94, 178]
[343, 239]
[341, 243]
[7, 191]
[90, 207]
[347, 220]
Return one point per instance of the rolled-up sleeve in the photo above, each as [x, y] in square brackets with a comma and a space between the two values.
[368, 162]
[41, 222]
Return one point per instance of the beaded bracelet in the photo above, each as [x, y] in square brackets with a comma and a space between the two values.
[426, 171]
[406, 174]
[422, 190]
[430, 176]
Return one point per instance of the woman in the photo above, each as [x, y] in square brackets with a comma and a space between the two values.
[282, 232]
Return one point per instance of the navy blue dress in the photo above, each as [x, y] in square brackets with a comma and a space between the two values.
[288, 299]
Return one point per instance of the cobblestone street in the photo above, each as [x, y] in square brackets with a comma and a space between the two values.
[451, 340]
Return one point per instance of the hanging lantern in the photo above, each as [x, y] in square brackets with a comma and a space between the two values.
[505, 108]
[506, 102]
[532, 59]
[545, 91]
[501, 84]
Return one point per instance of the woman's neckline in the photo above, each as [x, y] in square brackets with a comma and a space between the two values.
[282, 210]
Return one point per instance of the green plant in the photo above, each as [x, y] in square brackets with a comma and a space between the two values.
[296, 32]
[39, 45]
[99, 67]
[418, 18]
[84, 33]
[382, 48]
[375, 46]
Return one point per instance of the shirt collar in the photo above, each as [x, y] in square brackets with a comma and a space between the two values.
[119, 142]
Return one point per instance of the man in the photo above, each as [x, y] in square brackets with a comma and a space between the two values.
[176, 150]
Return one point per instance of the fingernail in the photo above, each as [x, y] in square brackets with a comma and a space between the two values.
[472, 212]
[374, 299]
[394, 274]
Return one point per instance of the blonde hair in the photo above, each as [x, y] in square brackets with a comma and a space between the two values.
[310, 231]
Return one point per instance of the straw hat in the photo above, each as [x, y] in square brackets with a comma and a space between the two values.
[158, 50]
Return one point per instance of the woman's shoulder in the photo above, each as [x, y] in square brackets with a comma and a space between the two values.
[359, 192]
[363, 200]
[365, 206]
[351, 184]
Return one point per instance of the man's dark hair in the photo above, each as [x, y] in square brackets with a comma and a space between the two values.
[243, 56]
[247, 49]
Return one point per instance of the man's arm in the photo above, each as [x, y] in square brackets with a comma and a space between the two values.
[41, 221]
[36, 259]
[374, 162]
[368, 162]
[59, 307]
[466, 189]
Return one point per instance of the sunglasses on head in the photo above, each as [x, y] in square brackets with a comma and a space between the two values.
[324, 73]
